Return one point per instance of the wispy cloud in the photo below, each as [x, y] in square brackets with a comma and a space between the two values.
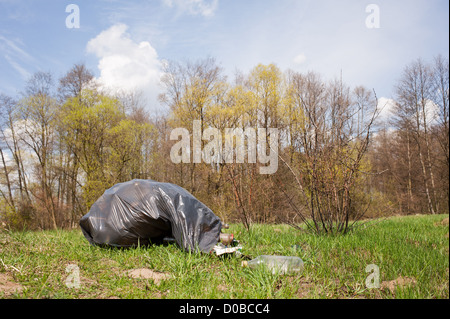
[15, 55]
[7, 45]
[205, 8]
[23, 73]
[19, 11]
[299, 59]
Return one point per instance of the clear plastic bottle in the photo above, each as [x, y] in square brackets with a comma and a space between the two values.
[277, 264]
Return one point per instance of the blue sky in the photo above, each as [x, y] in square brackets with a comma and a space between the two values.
[124, 42]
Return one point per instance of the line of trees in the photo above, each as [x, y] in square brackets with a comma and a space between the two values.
[413, 148]
[63, 143]
[66, 144]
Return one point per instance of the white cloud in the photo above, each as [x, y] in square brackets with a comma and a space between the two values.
[205, 8]
[23, 130]
[299, 59]
[126, 65]
[386, 107]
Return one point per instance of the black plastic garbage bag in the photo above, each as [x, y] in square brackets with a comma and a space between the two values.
[141, 212]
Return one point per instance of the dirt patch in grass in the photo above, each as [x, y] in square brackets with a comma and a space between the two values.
[400, 281]
[222, 287]
[8, 286]
[304, 288]
[145, 273]
[4, 238]
[443, 222]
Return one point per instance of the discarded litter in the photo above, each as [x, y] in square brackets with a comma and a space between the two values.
[227, 245]
[226, 239]
[277, 264]
[221, 249]
[141, 212]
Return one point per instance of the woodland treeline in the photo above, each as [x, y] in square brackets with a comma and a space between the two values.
[64, 141]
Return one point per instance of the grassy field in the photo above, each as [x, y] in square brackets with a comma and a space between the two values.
[411, 253]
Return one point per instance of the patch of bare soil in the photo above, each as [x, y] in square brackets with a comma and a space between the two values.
[4, 238]
[304, 288]
[400, 281]
[145, 273]
[8, 286]
[222, 287]
[443, 222]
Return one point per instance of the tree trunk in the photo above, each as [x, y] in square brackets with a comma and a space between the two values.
[8, 183]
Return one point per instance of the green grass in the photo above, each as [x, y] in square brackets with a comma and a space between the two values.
[416, 247]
